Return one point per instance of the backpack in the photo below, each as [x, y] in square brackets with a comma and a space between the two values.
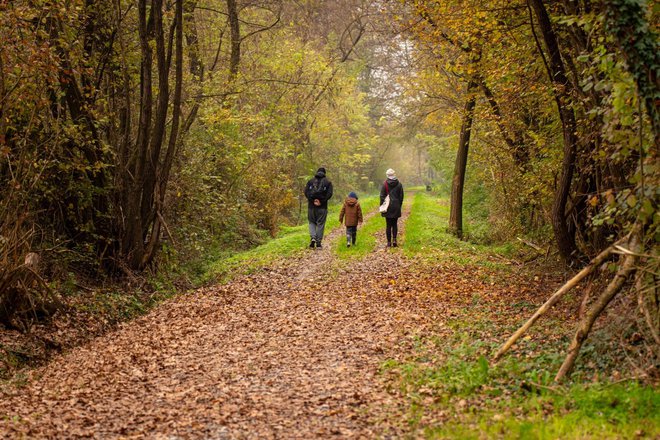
[318, 188]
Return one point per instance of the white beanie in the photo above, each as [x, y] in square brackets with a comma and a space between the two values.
[391, 174]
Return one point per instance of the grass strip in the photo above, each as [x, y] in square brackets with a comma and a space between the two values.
[290, 241]
[481, 401]
[366, 241]
[427, 236]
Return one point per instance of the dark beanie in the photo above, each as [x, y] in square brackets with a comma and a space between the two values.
[322, 170]
[352, 195]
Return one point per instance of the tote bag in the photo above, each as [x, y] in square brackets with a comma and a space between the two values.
[386, 202]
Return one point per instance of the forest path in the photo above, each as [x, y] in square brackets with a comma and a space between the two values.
[290, 352]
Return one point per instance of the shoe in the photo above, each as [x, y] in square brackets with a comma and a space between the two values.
[348, 244]
[312, 244]
[318, 245]
[389, 244]
[394, 244]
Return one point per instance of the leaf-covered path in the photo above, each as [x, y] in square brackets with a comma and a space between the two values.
[290, 352]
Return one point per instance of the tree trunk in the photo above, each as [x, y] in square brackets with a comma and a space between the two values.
[148, 211]
[234, 26]
[516, 144]
[458, 182]
[565, 239]
[173, 141]
[132, 247]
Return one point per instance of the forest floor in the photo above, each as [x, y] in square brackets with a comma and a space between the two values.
[388, 343]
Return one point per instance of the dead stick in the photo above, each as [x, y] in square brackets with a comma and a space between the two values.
[645, 311]
[584, 327]
[555, 297]
[169, 234]
[530, 244]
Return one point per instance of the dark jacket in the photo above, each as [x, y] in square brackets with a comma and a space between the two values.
[351, 211]
[319, 187]
[396, 198]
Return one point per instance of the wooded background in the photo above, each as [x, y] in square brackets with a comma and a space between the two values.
[124, 124]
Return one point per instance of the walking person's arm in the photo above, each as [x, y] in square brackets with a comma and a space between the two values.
[359, 213]
[329, 193]
[383, 193]
[341, 213]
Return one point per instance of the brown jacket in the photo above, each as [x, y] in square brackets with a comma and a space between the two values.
[351, 211]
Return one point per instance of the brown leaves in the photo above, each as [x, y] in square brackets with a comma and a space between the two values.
[290, 352]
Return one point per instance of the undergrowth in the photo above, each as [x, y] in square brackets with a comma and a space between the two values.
[452, 391]
[427, 236]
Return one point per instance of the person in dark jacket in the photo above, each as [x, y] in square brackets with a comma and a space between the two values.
[318, 191]
[351, 215]
[394, 189]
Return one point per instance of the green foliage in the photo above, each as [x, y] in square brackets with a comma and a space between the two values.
[631, 23]
[516, 149]
[248, 160]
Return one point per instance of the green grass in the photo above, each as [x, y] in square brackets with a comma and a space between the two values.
[290, 241]
[427, 236]
[366, 240]
[453, 392]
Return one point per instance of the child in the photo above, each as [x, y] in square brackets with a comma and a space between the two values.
[351, 212]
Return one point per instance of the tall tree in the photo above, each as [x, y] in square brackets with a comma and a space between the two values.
[458, 181]
[562, 88]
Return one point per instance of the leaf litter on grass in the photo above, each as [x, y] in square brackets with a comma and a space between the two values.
[306, 347]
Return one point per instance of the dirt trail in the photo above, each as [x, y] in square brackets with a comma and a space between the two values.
[305, 268]
[286, 353]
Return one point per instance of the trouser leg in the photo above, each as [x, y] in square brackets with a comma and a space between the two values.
[351, 232]
[388, 230]
[311, 219]
[395, 228]
[321, 216]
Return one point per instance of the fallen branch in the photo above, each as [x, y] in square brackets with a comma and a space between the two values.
[582, 310]
[600, 258]
[641, 301]
[530, 244]
[556, 390]
[584, 327]
[167, 230]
